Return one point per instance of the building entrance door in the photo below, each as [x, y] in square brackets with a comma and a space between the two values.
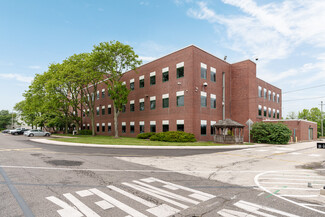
[310, 134]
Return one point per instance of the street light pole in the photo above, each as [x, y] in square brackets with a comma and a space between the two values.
[321, 117]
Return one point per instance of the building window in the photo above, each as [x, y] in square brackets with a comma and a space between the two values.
[97, 128]
[270, 95]
[132, 84]
[180, 125]
[153, 126]
[88, 127]
[273, 97]
[141, 123]
[123, 127]
[109, 127]
[180, 98]
[165, 100]
[109, 109]
[83, 127]
[84, 113]
[103, 110]
[265, 111]
[213, 101]
[87, 112]
[132, 106]
[203, 71]
[141, 81]
[141, 101]
[212, 128]
[165, 76]
[277, 114]
[131, 127]
[259, 91]
[277, 98]
[123, 108]
[103, 93]
[103, 127]
[97, 111]
[97, 95]
[203, 99]
[265, 93]
[165, 126]
[108, 94]
[270, 111]
[152, 78]
[259, 110]
[213, 74]
[203, 127]
[273, 113]
[180, 70]
[152, 102]
[92, 97]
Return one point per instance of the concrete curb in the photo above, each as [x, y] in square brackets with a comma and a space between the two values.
[51, 142]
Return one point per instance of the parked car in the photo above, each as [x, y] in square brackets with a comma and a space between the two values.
[31, 133]
[6, 131]
[18, 131]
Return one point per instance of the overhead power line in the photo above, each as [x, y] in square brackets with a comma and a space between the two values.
[307, 88]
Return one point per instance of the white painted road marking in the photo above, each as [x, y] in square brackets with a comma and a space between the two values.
[117, 203]
[67, 210]
[160, 210]
[254, 208]
[82, 207]
[265, 185]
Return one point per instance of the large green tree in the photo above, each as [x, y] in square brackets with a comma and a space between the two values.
[114, 59]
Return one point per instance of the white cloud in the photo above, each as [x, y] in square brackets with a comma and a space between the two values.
[34, 67]
[17, 77]
[270, 31]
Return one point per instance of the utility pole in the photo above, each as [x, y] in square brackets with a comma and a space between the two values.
[321, 116]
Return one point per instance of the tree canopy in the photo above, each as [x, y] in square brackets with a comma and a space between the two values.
[66, 89]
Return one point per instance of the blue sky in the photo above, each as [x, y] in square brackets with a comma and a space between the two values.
[287, 36]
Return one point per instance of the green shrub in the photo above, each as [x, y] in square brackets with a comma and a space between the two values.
[173, 136]
[85, 132]
[145, 135]
[270, 133]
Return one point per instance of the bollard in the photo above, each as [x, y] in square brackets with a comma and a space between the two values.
[322, 191]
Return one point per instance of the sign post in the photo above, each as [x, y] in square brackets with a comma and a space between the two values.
[249, 123]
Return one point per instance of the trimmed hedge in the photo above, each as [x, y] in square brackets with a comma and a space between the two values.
[270, 133]
[145, 135]
[85, 132]
[173, 136]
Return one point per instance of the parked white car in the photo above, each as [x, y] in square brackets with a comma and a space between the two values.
[31, 133]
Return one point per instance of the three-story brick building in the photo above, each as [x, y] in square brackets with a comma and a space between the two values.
[188, 90]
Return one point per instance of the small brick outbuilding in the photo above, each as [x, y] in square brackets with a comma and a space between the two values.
[302, 130]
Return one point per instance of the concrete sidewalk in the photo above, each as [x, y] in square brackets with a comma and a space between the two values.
[52, 142]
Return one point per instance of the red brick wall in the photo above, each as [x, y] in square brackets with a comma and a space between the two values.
[301, 127]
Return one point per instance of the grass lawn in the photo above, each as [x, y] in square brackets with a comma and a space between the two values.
[110, 140]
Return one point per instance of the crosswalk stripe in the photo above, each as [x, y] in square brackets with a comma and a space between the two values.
[82, 207]
[117, 203]
[155, 194]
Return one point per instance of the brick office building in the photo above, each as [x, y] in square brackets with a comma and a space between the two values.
[188, 90]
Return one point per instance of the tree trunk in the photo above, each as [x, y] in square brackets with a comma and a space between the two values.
[92, 123]
[116, 113]
[66, 127]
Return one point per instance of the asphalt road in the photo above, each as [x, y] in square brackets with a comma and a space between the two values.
[47, 180]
